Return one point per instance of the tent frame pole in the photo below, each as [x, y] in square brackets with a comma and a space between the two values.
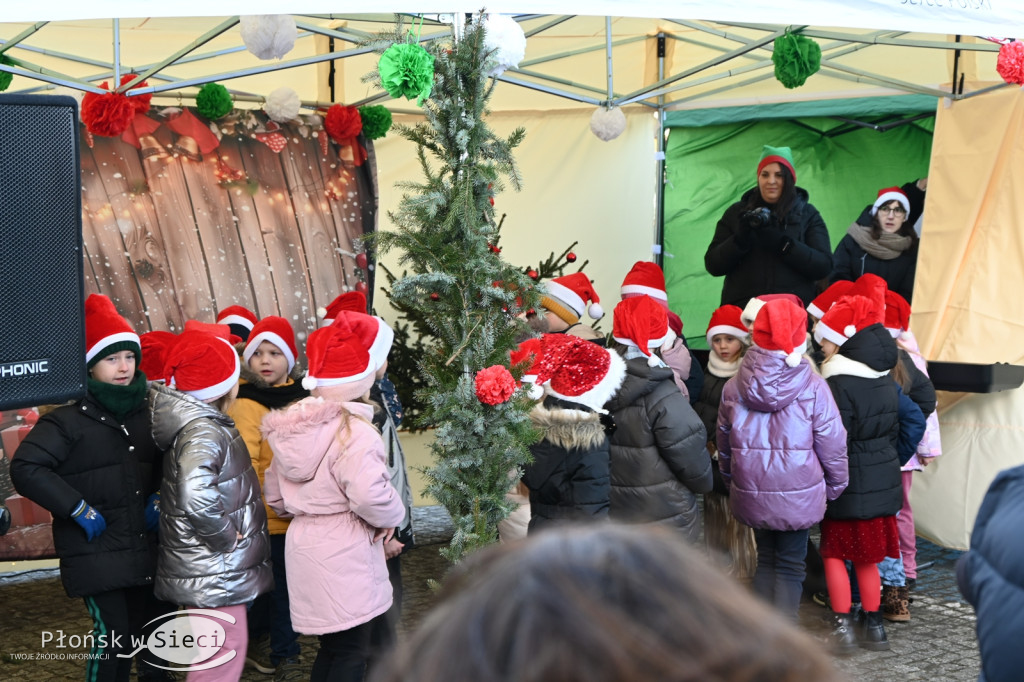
[659, 211]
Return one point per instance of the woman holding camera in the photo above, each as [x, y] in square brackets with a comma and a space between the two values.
[772, 240]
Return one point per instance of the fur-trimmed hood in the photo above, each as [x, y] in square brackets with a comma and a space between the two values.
[568, 429]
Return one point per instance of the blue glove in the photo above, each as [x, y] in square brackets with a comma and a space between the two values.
[91, 521]
[153, 512]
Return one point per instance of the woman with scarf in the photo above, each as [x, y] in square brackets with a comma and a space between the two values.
[887, 247]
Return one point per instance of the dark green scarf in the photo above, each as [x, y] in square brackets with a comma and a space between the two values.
[120, 400]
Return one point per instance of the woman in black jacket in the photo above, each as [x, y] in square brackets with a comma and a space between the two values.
[887, 247]
[94, 466]
[772, 240]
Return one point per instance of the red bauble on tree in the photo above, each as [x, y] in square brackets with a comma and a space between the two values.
[362, 288]
[532, 274]
[571, 257]
[434, 296]
[361, 260]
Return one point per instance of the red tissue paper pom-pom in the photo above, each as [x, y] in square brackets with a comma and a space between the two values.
[343, 123]
[1010, 63]
[108, 114]
[494, 384]
[139, 102]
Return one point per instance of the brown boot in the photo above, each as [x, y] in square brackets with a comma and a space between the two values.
[896, 603]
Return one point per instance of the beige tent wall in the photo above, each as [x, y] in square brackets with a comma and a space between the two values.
[967, 306]
[575, 188]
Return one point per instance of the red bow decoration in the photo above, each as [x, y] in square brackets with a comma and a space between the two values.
[225, 174]
[273, 138]
[189, 126]
[141, 125]
[344, 125]
[108, 114]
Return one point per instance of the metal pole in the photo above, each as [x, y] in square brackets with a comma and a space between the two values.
[659, 228]
[117, 53]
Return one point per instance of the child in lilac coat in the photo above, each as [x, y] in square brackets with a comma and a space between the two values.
[329, 473]
[781, 449]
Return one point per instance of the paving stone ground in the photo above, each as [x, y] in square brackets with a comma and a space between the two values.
[938, 644]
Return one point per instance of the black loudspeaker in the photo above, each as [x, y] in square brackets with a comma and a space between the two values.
[42, 329]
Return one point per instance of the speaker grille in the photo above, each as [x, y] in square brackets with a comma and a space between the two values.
[42, 340]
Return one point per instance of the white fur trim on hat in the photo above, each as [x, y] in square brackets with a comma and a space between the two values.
[220, 388]
[815, 311]
[311, 382]
[823, 331]
[110, 341]
[381, 345]
[641, 289]
[236, 319]
[566, 296]
[742, 334]
[254, 343]
[891, 196]
[652, 343]
[750, 312]
[605, 389]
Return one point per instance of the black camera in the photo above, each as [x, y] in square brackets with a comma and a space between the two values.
[758, 218]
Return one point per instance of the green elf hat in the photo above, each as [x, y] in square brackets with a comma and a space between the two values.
[782, 155]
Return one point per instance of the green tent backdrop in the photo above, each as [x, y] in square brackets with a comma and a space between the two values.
[841, 162]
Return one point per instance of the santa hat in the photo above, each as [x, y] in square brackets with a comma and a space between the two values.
[780, 155]
[202, 365]
[337, 359]
[350, 300]
[873, 288]
[823, 301]
[579, 371]
[221, 331]
[567, 298]
[277, 331]
[781, 327]
[528, 351]
[891, 194]
[848, 316]
[645, 279]
[642, 323]
[727, 320]
[755, 304]
[155, 346]
[106, 332]
[675, 323]
[240, 320]
[897, 314]
[373, 332]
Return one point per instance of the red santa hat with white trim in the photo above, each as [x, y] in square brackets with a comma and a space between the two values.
[373, 332]
[888, 194]
[727, 320]
[277, 331]
[826, 299]
[849, 315]
[155, 347]
[755, 304]
[241, 320]
[106, 332]
[354, 301]
[340, 366]
[202, 365]
[529, 351]
[645, 279]
[781, 328]
[567, 298]
[221, 331]
[579, 371]
[897, 314]
[641, 323]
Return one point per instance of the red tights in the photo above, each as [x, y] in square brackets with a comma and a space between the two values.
[838, 581]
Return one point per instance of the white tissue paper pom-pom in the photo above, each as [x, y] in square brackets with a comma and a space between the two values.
[282, 105]
[505, 42]
[607, 124]
[268, 36]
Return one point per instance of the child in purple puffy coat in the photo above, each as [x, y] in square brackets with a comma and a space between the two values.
[781, 450]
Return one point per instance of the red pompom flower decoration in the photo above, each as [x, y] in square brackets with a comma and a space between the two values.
[1010, 63]
[139, 102]
[494, 384]
[108, 114]
[343, 123]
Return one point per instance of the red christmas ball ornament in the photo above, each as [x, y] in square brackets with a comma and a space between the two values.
[434, 296]
[361, 260]
[571, 257]
[493, 248]
[362, 288]
[532, 274]
[491, 200]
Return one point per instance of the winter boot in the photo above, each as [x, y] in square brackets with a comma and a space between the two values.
[896, 603]
[842, 640]
[873, 637]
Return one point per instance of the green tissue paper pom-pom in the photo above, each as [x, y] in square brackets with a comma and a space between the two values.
[407, 70]
[213, 101]
[376, 121]
[796, 59]
[5, 77]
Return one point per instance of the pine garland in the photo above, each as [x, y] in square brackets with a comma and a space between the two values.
[458, 289]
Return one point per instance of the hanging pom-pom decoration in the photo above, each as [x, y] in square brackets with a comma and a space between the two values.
[108, 114]
[407, 70]
[504, 44]
[494, 385]
[607, 123]
[376, 121]
[282, 105]
[1010, 63]
[139, 102]
[268, 36]
[796, 59]
[6, 78]
[343, 123]
[214, 101]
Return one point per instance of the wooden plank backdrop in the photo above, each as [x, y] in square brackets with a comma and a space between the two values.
[171, 238]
